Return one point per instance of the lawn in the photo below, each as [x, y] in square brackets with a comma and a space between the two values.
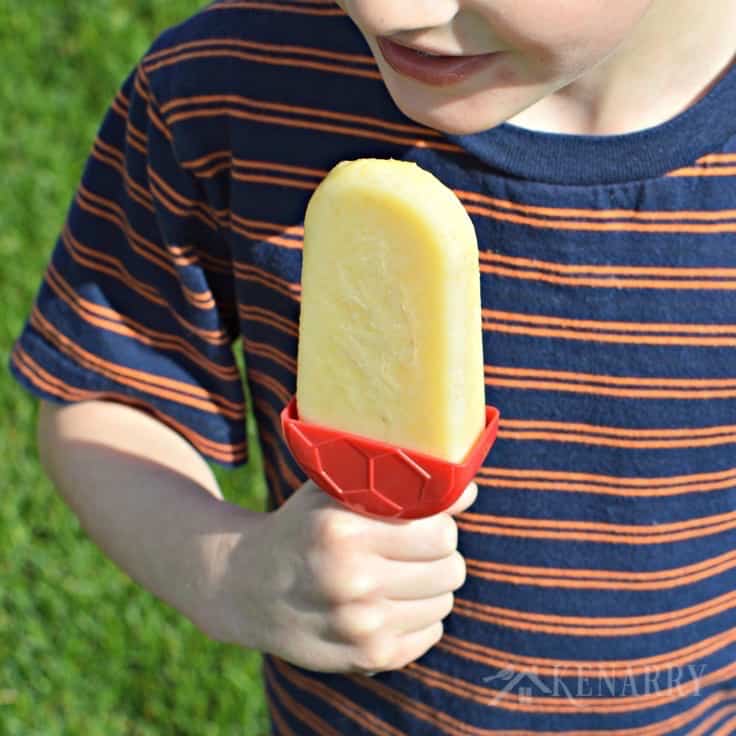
[83, 650]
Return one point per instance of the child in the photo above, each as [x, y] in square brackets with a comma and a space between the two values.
[591, 587]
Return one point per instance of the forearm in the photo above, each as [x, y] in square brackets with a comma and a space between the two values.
[147, 499]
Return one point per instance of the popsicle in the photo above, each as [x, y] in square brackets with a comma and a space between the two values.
[390, 354]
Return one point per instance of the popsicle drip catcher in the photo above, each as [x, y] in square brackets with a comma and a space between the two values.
[376, 477]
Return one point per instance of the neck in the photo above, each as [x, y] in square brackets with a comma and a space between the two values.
[677, 52]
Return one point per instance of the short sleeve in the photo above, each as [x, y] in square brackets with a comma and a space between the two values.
[137, 303]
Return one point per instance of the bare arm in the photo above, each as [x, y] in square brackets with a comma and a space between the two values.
[147, 499]
[312, 582]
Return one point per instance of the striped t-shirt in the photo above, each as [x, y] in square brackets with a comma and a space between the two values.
[601, 552]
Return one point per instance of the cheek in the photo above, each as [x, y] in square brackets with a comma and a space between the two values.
[566, 37]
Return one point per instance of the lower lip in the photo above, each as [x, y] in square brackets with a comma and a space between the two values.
[438, 71]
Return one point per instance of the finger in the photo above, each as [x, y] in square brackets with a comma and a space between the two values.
[364, 619]
[406, 617]
[417, 580]
[412, 646]
[398, 653]
[419, 540]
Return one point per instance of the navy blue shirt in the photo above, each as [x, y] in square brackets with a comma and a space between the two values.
[601, 592]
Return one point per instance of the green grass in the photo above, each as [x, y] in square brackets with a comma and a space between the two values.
[83, 650]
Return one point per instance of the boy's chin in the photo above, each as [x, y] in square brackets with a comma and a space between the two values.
[452, 120]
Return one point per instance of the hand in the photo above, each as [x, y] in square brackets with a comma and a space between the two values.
[331, 590]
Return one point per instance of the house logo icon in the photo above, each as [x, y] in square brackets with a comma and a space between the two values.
[526, 684]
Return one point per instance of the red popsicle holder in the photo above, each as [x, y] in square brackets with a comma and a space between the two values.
[378, 478]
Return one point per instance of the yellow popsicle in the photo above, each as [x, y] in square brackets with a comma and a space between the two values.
[390, 341]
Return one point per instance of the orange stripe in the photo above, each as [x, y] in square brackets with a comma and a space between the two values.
[312, 125]
[712, 719]
[610, 324]
[640, 227]
[130, 141]
[302, 713]
[618, 533]
[585, 269]
[726, 429]
[601, 441]
[275, 419]
[608, 283]
[259, 314]
[196, 210]
[120, 273]
[599, 383]
[315, 112]
[590, 336]
[727, 728]
[271, 384]
[275, 484]
[122, 222]
[705, 171]
[573, 376]
[627, 393]
[717, 158]
[691, 480]
[158, 254]
[254, 273]
[165, 388]
[566, 667]
[337, 701]
[117, 216]
[191, 204]
[284, 473]
[264, 179]
[594, 626]
[488, 697]
[571, 487]
[596, 537]
[624, 529]
[599, 579]
[271, 47]
[294, 62]
[117, 270]
[124, 325]
[226, 453]
[276, 717]
[141, 79]
[296, 231]
[134, 132]
[252, 164]
[132, 186]
[454, 727]
[521, 430]
[272, 353]
[285, 230]
[556, 704]
[598, 214]
[119, 109]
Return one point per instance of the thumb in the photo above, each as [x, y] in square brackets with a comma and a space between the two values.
[466, 499]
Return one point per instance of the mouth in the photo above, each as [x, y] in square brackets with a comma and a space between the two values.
[425, 66]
